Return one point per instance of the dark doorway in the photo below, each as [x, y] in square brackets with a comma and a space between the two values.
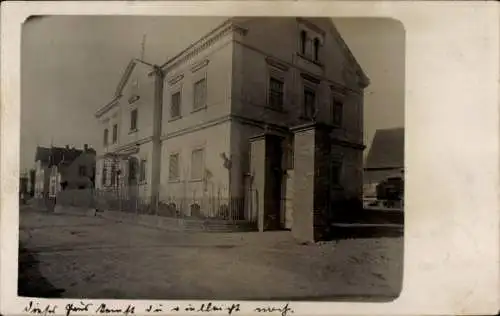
[274, 180]
[133, 189]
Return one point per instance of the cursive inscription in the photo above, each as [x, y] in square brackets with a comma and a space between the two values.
[82, 307]
[154, 308]
[104, 309]
[208, 308]
[36, 309]
[284, 311]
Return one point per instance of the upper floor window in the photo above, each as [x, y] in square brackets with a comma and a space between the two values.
[197, 157]
[303, 41]
[175, 106]
[105, 137]
[309, 103]
[200, 94]
[338, 109]
[115, 133]
[173, 167]
[276, 93]
[133, 119]
[82, 171]
[316, 45]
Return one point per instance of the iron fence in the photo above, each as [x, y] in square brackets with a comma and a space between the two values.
[207, 207]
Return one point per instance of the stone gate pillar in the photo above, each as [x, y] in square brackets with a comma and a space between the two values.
[311, 181]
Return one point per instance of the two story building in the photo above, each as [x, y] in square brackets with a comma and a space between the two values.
[249, 111]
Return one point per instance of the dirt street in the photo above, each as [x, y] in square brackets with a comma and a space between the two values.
[90, 257]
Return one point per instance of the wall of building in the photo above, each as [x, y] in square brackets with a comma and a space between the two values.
[42, 175]
[256, 57]
[71, 173]
[139, 84]
[214, 140]
[122, 184]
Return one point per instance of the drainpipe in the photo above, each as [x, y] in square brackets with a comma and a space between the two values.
[159, 75]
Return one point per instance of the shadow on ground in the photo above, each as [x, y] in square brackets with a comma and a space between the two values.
[352, 232]
[30, 281]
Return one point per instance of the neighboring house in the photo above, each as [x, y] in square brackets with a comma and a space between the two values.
[31, 182]
[60, 168]
[386, 157]
[237, 104]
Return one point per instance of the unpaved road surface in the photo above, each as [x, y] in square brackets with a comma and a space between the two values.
[90, 257]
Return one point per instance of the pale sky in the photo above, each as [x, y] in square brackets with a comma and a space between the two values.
[71, 66]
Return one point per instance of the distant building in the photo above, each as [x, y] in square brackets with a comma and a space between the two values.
[23, 184]
[386, 156]
[63, 167]
[31, 182]
[238, 105]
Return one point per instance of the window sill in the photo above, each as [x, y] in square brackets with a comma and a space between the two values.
[275, 109]
[133, 131]
[174, 181]
[172, 119]
[305, 118]
[196, 180]
[311, 60]
[199, 109]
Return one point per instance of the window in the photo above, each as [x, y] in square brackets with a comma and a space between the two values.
[336, 172]
[175, 106]
[197, 164]
[113, 174]
[338, 109]
[173, 167]
[303, 42]
[276, 93]
[309, 103]
[115, 133]
[105, 139]
[132, 170]
[104, 175]
[290, 153]
[82, 171]
[200, 94]
[316, 49]
[142, 174]
[133, 120]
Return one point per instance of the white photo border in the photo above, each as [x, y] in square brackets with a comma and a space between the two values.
[451, 259]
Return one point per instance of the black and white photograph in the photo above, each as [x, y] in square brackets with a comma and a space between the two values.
[206, 157]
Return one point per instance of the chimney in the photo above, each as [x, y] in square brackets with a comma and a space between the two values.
[67, 147]
[86, 147]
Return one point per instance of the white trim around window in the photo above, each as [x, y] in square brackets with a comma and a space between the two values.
[196, 172]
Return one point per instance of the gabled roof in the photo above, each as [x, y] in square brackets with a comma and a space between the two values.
[363, 79]
[56, 155]
[387, 150]
[121, 85]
